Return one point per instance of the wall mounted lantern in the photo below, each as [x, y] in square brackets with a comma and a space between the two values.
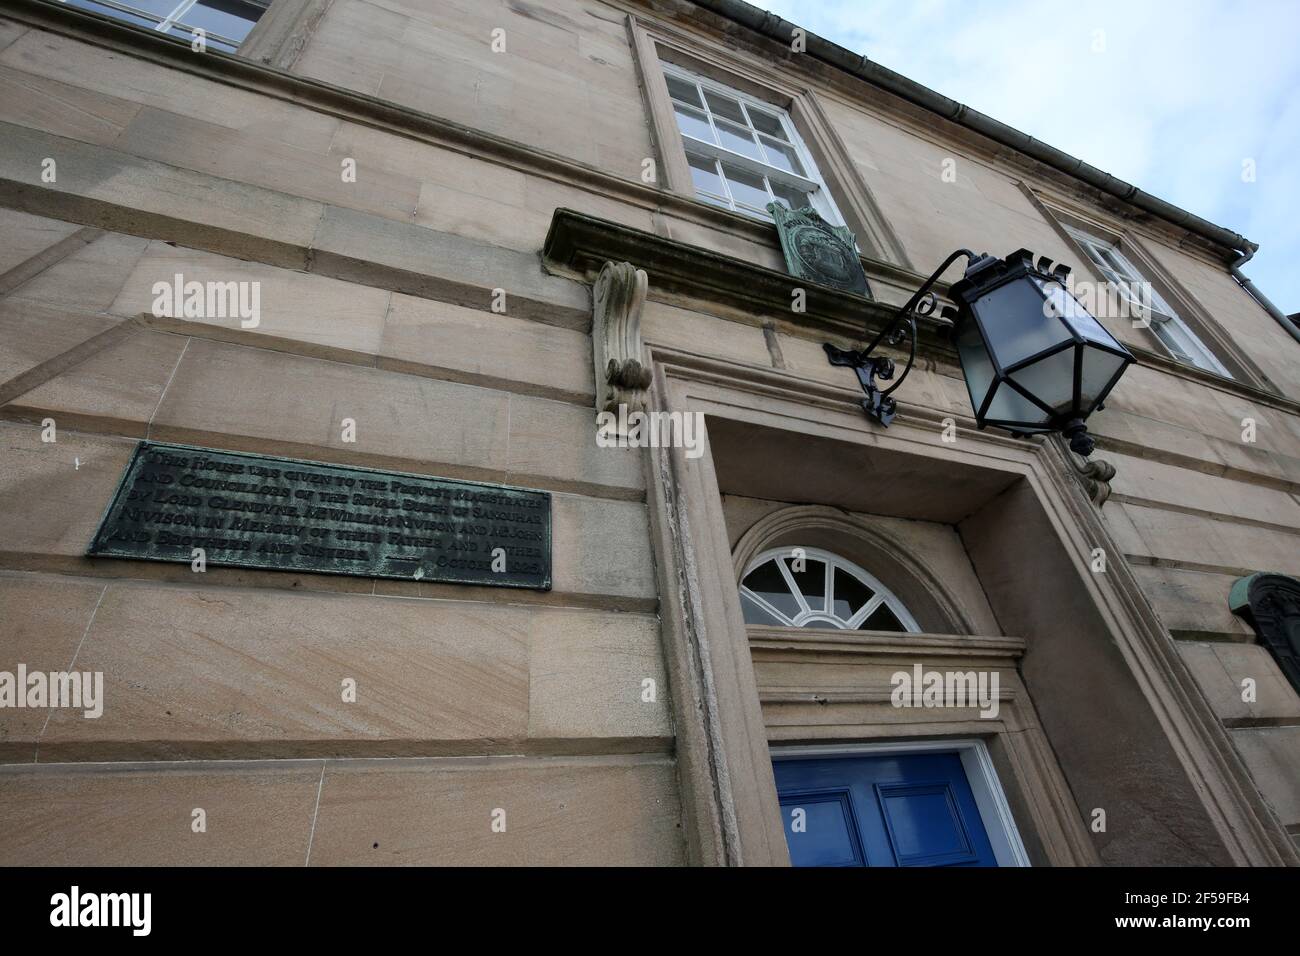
[1034, 359]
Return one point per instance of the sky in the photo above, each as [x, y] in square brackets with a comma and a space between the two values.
[1181, 98]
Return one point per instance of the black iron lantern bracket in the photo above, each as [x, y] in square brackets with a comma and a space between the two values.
[879, 404]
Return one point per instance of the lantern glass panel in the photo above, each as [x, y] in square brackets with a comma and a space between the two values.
[1099, 368]
[1017, 323]
[1008, 405]
[975, 363]
[1050, 380]
[1069, 308]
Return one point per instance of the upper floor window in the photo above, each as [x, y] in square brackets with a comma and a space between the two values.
[225, 23]
[743, 152]
[1146, 303]
[808, 587]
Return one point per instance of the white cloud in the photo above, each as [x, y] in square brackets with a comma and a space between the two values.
[1178, 97]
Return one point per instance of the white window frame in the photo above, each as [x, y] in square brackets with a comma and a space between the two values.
[1167, 325]
[880, 593]
[812, 183]
[163, 24]
[990, 799]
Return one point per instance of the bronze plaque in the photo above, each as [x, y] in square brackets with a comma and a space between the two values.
[817, 251]
[258, 511]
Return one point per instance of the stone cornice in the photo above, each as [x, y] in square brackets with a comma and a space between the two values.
[883, 644]
[578, 246]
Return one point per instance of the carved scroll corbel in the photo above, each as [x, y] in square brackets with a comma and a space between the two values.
[621, 378]
[1094, 474]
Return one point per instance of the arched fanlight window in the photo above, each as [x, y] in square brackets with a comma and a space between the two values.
[808, 587]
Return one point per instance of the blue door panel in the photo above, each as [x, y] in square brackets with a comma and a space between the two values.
[924, 824]
[826, 819]
[885, 810]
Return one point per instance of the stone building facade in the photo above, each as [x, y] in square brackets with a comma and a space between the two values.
[423, 194]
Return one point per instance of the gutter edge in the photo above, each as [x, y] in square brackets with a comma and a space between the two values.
[776, 28]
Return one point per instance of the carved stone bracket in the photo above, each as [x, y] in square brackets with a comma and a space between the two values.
[1094, 474]
[618, 297]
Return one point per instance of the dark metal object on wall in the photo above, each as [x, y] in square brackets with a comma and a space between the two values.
[1270, 603]
[260, 511]
[817, 251]
[878, 403]
[1034, 359]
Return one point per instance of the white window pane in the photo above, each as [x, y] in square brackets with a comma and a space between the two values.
[159, 9]
[1149, 305]
[755, 613]
[835, 594]
[683, 91]
[1125, 288]
[705, 175]
[713, 200]
[1167, 334]
[883, 619]
[693, 123]
[1158, 303]
[762, 134]
[1149, 299]
[746, 187]
[851, 594]
[163, 8]
[790, 197]
[809, 578]
[212, 41]
[738, 139]
[782, 156]
[1122, 265]
[1183, 343]
[767, 582]
[765, 122]
[231, 19]
[724, 106]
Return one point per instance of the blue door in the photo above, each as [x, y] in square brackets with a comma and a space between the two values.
[882, 810]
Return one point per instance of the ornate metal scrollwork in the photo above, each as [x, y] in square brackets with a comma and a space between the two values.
[878, 404]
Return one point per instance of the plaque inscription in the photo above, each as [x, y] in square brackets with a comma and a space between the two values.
[258, 511]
